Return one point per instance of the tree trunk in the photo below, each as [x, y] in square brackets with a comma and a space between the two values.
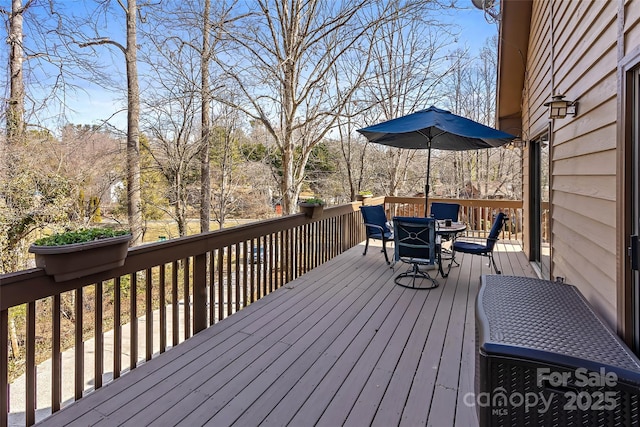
[15, 109]
[287, 187]
[205, 178]
[134, 198]
[15, 344]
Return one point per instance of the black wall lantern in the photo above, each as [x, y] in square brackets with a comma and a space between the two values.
[559, 107]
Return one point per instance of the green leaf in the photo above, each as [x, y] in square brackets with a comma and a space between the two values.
[79, 236]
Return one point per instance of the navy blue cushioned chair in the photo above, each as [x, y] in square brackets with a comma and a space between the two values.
[445, 211]
[415, 243]
[375, 220]
[441, 211]
[485, 249]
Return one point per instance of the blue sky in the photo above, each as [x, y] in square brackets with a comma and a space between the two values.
[95, 105]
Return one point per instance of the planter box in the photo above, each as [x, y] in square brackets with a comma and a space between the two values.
[311, 210]
[68, 262]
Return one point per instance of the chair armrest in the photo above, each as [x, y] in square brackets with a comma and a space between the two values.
[374, 225]
[382, 231]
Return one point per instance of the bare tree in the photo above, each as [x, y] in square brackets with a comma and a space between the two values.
[196, 26]
[493, 172]
[281, 63]
[15, 108]
[88, 34]
[205, 169]
[171, 120]
[226, 158]
[408, 65]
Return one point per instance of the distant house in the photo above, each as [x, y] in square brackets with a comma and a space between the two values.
[115, 190]
[581, 185]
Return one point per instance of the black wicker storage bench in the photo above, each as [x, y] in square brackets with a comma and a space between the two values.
[545, 358]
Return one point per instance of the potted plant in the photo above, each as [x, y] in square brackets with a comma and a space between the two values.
[74, 254]
[312, 207]
[364, 194]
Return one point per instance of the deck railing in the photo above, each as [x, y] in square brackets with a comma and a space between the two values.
[169, 290]
[478, 214]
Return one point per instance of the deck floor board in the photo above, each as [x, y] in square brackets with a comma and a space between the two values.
[340, 345]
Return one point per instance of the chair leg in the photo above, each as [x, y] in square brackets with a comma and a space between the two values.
[384, 250]
[415, 273]
[440, 269]
[451, 261]
[493, 261]
[366, 246]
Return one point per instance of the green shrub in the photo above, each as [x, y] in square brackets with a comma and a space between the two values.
[313, 201]
[79, 236]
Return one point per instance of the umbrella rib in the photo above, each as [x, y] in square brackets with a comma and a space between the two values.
[429, 137]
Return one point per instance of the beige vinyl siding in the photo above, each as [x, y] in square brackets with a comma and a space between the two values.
[631, 26]
[597, 140]
[583, 157]
[539, 69]
[535, 93]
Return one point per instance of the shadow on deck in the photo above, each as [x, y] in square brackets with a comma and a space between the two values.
[341, 345]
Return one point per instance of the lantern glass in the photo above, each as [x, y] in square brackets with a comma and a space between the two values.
[558, 109]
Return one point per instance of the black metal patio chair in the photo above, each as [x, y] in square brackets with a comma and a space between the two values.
[415, 244]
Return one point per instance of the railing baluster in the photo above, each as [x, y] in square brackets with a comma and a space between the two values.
[307, 245]
[281, 265]
[148, 305]
[221, 301]
[98, 338]
[199, 293]
[325, 240]
[162, 296]
[245, 275]
[229, 281]
[236, 267]
[187, 299]
[316, 246]
[273, 273]
[295, 256]
[278, 262]
[263, 265]
[30, 410]
[79, 345]
[285, 257]
[289, 256]
[133, 321]
[117, 327]
[56, 355]
[252, 271]
[175, 324]
[212, 288]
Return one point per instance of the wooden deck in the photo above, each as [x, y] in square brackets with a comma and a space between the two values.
[342, 345]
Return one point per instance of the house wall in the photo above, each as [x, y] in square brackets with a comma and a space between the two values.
[573, 50]
[535, 93]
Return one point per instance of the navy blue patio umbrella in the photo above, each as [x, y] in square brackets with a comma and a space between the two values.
[438, 129]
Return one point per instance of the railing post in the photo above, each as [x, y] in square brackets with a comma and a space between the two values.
[200, 293]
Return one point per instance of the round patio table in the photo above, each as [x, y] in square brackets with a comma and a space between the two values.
[448, 232]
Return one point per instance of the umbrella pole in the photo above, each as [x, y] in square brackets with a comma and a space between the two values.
[426, 185]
